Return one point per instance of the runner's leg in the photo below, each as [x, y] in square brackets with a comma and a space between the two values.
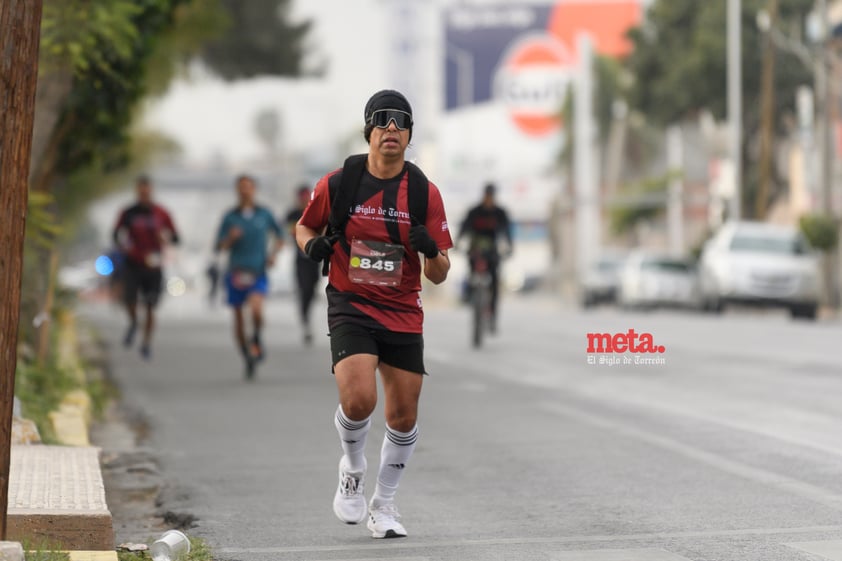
[356, 383]
[148, 328]
[130, 292]
[150, 286]
[255, 305]
[401, 390]
[307, 275]
[239, 329]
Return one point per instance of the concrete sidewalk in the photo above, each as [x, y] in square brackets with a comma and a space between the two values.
[57, 496]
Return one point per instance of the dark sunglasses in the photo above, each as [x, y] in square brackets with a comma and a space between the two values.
[382, 117]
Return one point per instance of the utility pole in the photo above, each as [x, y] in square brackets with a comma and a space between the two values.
[675, 197]
[824, 92]
[586, 191]
[829, 100]
[735, 103]
[767, 115]
[20, 27]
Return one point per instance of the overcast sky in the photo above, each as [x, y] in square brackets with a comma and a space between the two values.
[207, 116]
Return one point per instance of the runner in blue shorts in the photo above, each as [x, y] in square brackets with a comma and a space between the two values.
[245, 233]
[238, 292]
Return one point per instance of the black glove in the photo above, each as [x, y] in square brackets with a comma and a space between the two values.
[420, 240]
[319, 247]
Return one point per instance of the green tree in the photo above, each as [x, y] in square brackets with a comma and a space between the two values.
[99, 59]
[622, 130]
[259, 40]
[821, 230]
[679, 66]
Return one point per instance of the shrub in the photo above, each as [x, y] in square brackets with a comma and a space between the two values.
[821, 230]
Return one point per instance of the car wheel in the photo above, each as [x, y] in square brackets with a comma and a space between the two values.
[804, 311]
[713, 305]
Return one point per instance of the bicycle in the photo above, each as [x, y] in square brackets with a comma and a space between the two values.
[480, 286]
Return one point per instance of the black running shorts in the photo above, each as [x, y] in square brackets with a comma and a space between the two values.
[148, 283]
[400, 350]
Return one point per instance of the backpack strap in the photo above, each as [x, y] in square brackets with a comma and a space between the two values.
[418, 194]
[342, 198]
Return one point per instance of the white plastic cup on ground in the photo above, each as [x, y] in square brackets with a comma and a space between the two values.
[170, 546]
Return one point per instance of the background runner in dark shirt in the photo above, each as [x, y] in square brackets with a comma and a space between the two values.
[306, 270]
[142, 232]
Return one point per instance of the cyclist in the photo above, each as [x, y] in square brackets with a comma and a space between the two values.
[244, 233]
[485, 224]
[142, 232]
[306, 270]
[375, 314]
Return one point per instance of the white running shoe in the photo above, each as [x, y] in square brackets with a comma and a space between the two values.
[383, 521]
[349, 501]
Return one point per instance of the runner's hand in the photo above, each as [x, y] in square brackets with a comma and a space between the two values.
[234, 234]
[319, 247]
[420, 240]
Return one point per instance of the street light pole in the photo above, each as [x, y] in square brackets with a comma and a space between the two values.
[735, 109]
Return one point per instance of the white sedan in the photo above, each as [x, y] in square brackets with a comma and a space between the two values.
[651, 280]
[760, 264]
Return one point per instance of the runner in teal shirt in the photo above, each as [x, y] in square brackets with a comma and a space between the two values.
[250, 251]
[244, 233]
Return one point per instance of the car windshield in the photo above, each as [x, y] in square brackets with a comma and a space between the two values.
[671, 265]
[787, 245]
[608, 265]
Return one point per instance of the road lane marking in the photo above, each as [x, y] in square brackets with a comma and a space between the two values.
[411, 544]
[618, 555]
[762, 476]
[828, 549]
[375, 559]
[818, 431]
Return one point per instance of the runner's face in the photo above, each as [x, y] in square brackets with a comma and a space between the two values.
[245, 190]
[390, 141]
[144, 193]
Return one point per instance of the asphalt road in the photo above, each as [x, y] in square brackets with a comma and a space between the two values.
[729, 450]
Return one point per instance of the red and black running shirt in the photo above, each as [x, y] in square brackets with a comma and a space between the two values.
[380, 214]
[139, 231]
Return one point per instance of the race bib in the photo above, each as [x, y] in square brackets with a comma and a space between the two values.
[242, 279]
[153, 260]
[377, 263]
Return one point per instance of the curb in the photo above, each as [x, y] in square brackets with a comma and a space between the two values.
[11, 551]
[75, 513]
[71, 422]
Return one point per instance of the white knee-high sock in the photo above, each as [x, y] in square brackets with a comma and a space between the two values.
[352, 436]
[397, 449]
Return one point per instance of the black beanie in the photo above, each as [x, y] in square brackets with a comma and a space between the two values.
[386, 99]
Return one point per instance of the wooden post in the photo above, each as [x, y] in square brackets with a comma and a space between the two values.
[20, 28]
